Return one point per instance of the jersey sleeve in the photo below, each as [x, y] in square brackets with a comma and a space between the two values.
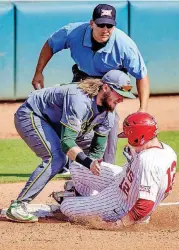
[68, 137]
[150, 179]
[134, 62]
[97, 146]
[141, 209]
[104, 128]
[73, 112]
[58, 40]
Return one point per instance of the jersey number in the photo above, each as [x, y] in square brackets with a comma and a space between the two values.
[126, 182]
[171, 175]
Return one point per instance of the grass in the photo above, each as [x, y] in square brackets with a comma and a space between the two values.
[17, 161]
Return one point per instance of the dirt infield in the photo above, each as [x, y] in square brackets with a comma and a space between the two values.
[161, 233]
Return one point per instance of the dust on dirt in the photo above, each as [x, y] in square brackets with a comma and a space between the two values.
[58, 233]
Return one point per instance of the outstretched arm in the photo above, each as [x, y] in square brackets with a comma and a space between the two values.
[45, 55]
[143, 89]
[75, 153]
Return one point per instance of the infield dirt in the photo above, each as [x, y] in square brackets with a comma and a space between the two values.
[56, 233]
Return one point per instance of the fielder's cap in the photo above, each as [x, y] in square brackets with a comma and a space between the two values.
[104, 13]
[120, 82]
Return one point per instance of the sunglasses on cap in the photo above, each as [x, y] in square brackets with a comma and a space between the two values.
[125, 88]
[102, 25]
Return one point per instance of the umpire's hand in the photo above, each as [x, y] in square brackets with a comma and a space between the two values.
[38, 80]
[95, 167]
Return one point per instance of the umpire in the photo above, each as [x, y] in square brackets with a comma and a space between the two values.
[96, 48]
[70, 121]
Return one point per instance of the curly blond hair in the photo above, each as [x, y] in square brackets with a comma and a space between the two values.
[90, 86]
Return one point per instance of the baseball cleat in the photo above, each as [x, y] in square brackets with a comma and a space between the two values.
[18, 212]
[65, 171]
[69, 186]
[61, 195]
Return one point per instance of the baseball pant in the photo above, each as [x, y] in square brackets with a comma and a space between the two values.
[102, 193]
[40, 136]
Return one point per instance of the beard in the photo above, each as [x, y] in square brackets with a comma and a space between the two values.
[104, 102]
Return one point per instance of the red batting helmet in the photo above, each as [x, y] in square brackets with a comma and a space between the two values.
[139, 128]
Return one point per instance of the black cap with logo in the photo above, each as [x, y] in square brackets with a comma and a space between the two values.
[104, 13]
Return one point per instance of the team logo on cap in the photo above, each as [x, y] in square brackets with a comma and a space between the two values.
[106, 12]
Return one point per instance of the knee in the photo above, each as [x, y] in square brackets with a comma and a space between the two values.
[77, 171]
[74, 170]
[57, 161]
[65, 209]
[59, 158]
[53, 159]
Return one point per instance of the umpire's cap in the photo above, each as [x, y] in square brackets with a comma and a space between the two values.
[104, 13]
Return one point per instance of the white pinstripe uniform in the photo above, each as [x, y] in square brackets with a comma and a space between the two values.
[112, 194]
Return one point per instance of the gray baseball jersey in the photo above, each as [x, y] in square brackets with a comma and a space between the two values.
[68, 105]
[39, 121]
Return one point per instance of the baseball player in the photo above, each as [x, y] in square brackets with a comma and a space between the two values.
[97, 47]
[70, 121]
[123, 196]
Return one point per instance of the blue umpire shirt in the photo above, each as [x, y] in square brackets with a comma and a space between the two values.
[120, 51]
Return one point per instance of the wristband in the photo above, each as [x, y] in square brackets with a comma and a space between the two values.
[83, 159]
